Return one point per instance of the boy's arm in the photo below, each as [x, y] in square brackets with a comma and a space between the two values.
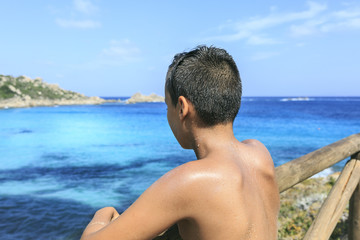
[158, 208]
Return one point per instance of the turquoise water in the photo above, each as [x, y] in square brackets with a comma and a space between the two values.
[60, 164]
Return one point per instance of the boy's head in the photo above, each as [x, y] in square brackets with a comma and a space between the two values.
[209, 79]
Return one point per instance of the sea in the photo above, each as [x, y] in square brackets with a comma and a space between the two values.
[59, 164]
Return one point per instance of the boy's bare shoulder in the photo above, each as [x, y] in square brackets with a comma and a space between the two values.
[193, 178]
[258, 149]
[255, 143]
[188, 172]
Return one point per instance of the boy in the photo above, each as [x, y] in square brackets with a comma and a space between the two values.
[230, 191]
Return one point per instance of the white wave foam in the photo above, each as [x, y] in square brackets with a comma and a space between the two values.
[324, 173]
[295, 99]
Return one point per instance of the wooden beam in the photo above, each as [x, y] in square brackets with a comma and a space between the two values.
[308, 165]
[335, 203]
[354, 212]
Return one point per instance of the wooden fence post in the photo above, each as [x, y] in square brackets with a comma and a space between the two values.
[335, 203]
[354, 211]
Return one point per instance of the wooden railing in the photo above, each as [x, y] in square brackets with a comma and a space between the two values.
[347, 187]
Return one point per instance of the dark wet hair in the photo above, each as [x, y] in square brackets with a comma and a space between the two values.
[209, 78]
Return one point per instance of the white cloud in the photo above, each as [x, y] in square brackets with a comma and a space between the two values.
[301, 30]
[257, 40]
[277, 19]
[230, 37]
[120, 52]
[263, 55]
[346, 19]
[79, 8]
[307, 28]
[353, 23]
[77, 23]
[85, 6]
[350, 13]
[317, 18]
[273, 8]
[301, 44]
[250, 29]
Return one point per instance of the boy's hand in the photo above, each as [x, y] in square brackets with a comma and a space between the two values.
[106, 215]
[115, 215]
[101, 219]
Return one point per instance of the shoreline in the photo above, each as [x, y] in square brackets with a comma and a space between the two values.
[24, 103]
[27, 102]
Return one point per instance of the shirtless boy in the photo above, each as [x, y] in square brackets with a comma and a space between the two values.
[229, 192]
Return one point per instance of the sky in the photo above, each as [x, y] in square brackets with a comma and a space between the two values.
[118, 48]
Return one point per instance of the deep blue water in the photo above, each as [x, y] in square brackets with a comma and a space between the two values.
[60, 164]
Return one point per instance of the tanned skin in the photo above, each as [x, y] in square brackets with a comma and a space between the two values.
[229, 192]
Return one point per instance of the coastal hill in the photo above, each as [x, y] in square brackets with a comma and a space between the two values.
[26, 92]
[138, 97]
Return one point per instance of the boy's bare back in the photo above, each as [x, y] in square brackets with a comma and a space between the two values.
[230, 191]
[232, 194]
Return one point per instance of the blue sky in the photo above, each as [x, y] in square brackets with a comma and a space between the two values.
[117, 48]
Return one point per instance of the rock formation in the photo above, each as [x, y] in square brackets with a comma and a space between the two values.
[138, 97]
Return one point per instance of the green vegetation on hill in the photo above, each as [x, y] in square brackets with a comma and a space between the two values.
[27, 88]
[19, 92]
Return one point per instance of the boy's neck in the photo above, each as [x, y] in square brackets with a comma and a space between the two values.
[208, 140]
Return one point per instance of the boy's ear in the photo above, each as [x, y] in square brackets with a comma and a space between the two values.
[184, 107]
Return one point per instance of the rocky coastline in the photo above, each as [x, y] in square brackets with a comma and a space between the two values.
[18, 102]
[21, 92]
